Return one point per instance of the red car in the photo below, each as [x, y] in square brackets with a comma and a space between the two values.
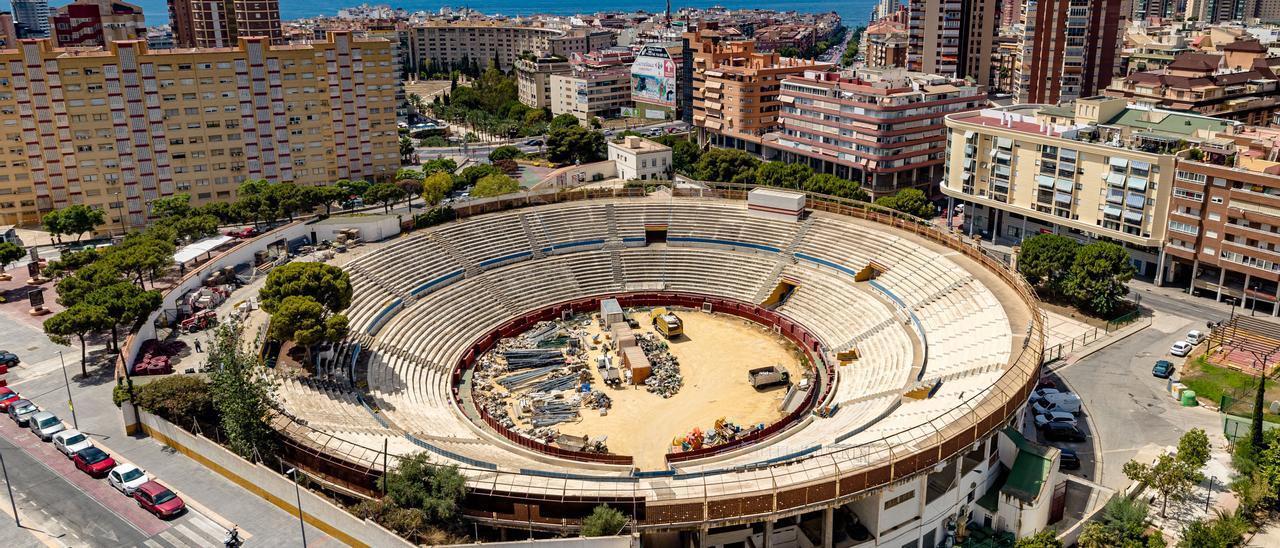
[94, 461]
[158, 500]
[246, 232]
[7, 396]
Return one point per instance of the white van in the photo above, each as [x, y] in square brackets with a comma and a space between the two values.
[1066, 402]
[1195, 337]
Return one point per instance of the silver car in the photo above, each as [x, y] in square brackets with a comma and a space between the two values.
[126, 478]
[21, 410]
[45, 425]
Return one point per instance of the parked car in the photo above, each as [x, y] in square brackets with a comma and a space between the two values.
[1069, 460]
[45, 425]
[246, 232]
[1042, 393]
[1058, 431]
[94, 461]
[1064, 406]
[126, 478]
[1047, 382]
[1180, 348]
[21, 410]
[1194, 337]
[158, 500]
[1162, 369]
[8, 359]
[7, 396]
[533, 143]
[70, 442]
[1055, 416]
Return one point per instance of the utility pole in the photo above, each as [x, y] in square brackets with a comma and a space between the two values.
[8, 485]
[66, 380]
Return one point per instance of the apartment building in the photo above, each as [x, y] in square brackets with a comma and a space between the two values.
[600, 93]
[801, 38]
[87, 23]
[881, 127]
[884, 44]
[639, 159]
[1238, 84]
[453, 42]
[533, 79]
[736, 89]
[1094, 168]
[31, 18]
[118, 127]
[1070, 48]
[953, 38]
[1216, 11]
[8, 31]
[220, 23]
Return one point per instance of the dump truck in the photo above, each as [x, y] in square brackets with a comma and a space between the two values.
[666, 323]
[763, 377]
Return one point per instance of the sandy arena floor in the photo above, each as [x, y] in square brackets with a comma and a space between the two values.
[715, 355]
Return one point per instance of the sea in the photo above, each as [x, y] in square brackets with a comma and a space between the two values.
[852, 12]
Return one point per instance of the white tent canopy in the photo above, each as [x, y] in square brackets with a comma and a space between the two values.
[199, 248]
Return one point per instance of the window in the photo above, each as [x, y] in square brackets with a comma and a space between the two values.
[1189, 176]
[1184, 228]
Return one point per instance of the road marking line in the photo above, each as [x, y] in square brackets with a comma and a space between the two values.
[188, 533]
[153, 544]
[208, 526]
[167, 536]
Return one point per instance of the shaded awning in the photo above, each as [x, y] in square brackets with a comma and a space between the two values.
[1137, 201]
[1061, 198]
[1119, 162]
[199, 248]
[1133, 217]
[1115, 179]
[1004, 142]
[1137, 183]
[1065, 185]
[1044, 181]
[1111, 212]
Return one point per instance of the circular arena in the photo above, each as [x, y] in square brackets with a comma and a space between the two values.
[916, 348]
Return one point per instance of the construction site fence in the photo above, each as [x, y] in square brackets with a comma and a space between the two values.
[857, 468]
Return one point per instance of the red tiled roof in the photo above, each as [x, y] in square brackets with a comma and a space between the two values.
[1196, 61]
[1246, 46]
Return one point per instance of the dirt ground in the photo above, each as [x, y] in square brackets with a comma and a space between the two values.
[715, 355]
[427, 89]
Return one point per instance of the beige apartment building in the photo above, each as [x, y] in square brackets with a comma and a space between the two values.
[533, 79]
[119, 127]
[453, 42]
[587, 93]
[1094, 168]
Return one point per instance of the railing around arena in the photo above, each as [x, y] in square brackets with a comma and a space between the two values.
[811, 481]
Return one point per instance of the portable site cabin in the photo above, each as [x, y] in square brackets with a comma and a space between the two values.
[634, 359]
[623, 335]
[611, 312]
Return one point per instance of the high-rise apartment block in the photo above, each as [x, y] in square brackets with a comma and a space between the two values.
[220, 23]
[448, 43]
[533, 78]
[1094, 168]
[86, 23]
[955, 38]
[736, 89]
[118, 127]
[1216, 11]
[882, 128]
[31, 18]
[1070, 48]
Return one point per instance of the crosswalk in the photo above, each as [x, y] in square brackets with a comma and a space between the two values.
[192, 530]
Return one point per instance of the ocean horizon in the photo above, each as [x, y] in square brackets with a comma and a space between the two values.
[853, 12]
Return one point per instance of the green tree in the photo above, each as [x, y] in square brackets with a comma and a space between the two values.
[436, 490]
[140, 255]
[78, 219]
[1169, 477]
[329, 285]
[684, 153]
[1044, 539]
[826, 183]
[1046, 259]
[70, 262]
[472, 174]
[305, 321]
[1193, 448]
[79, 321]
[177, 205]
[575, 144]
[438, 165]
[1098, 276]
[406, 149]
[176, 398]
[411, 187]
[505, 152]
[603, 522]
[783, 175]
[1123, 524]
[126, 306]
[911, 201]
[385, 194]
[73, 290]
[495, 185]
[188, 228]
[53, 222]
[562, 121]
[436, 187]
[353, 188]
[327, 196]
[9, 254]
[1225, 530]
[242, 394]
[726, 165]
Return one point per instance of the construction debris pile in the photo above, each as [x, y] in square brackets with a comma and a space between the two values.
[664, 374]
[723, 432]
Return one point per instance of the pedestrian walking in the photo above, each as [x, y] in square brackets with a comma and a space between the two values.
[198, 349]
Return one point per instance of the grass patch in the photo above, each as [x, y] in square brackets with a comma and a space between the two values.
[1211, 381]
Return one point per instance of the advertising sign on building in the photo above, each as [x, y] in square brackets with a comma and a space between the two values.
[653, 78]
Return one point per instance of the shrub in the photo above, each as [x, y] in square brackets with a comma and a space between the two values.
[176, 398]
[603, 521]
[433, 216]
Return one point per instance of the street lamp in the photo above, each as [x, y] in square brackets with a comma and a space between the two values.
[9, 486]
[298, 492]
[67, 381]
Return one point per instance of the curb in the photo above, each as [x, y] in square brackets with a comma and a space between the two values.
[1087, 351]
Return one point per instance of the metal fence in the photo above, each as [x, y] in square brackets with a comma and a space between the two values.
[1060, 350]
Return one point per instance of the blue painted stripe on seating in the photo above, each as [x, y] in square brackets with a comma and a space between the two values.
[870, 423]
[351, 366]
[789, 456]
[653, 473]
[887, 293]
[924, 340]
[634, 239]
[577, 243]
[434, 282]
[564, 475]
[450, 454]
[504, 258]
[366, 407]
[715, 241]
[376, 324]
[825, 262]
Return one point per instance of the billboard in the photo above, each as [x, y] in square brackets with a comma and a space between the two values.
[653, 78]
